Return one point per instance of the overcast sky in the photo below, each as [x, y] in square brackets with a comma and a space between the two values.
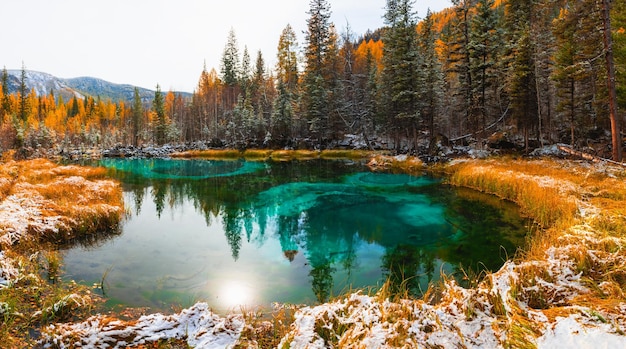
[145, 42]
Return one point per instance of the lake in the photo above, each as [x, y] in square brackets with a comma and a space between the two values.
[246, 234]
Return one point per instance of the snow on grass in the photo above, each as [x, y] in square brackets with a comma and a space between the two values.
[8, 273]
[575, 332]
[21, 214]
[198, 325]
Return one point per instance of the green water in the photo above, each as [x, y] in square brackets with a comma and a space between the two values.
[235, 233]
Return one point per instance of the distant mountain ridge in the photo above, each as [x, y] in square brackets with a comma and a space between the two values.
[81, 87]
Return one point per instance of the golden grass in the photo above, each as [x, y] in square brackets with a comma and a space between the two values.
[277, 155]
[582, 211]
[84, 203]
[211, 154]
[540, 190]
[257, 154]
[345, 154]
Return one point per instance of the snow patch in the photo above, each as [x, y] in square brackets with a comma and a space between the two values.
[8, 273]
[198, 325]
[572, 332]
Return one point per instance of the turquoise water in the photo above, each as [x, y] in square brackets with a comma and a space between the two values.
[237, 233]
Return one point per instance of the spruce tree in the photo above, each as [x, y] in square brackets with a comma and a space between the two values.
[401, 69]
[483, 50]
[160, 120]
[23, 94]
[431, 83]
[521, 84]
[315, 90]
[5, 104]
[137, 115]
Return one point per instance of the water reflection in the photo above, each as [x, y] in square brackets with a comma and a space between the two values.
[233, 232]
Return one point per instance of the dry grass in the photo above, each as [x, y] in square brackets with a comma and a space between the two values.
[210, 154]
[78, 198]
[404, 164]
[346, 154]
[48, 203]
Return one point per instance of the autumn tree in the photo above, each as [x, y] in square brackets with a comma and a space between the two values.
[282, 116]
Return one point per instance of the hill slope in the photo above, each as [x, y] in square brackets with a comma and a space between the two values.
[44, 84]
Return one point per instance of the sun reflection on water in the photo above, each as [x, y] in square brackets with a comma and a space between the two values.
[235, 294]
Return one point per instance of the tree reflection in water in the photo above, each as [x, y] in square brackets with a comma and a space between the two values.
[330, 214]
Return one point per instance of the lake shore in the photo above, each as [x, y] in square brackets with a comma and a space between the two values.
[565, 289]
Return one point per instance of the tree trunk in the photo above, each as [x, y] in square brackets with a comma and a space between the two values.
[610, 69]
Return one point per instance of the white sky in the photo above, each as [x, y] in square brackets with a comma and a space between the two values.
[145, 42]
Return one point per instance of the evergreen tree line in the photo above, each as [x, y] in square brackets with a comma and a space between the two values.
[531, 72]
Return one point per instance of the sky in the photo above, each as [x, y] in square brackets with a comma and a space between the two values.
[165, 42]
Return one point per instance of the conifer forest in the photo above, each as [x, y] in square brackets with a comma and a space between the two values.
[482, 73]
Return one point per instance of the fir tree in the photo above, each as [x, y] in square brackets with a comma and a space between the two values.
[160, 121]
[137, 115]
[316, 87]
[401, 72]
[431, 83]
[5, 104]
[23, 94]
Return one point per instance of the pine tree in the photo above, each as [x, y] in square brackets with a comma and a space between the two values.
[137, 116]
[23, 94]
[521, 84]
[316, 92]
[431, 84]
[5, 104]
[282, 115]
[483, 50]
[566, 70]
[618, 22]
[458, 67]
[287, 65]
[401, 69]
[612, 95]
[230, 71]
[160, 121]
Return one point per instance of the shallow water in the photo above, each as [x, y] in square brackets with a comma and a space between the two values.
[236, 233]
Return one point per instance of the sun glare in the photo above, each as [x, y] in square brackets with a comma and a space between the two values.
[236, 293]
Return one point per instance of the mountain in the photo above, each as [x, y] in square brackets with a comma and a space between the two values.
[107, 90]
[44, 84]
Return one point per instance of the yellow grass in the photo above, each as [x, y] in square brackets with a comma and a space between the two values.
[84, 203]
[345, 154]
[212, 154]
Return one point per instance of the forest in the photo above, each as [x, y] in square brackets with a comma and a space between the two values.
[483, 73]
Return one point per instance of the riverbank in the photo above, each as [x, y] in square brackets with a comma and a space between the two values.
[566, 289]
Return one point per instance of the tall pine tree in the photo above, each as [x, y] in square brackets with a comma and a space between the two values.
[401, 70]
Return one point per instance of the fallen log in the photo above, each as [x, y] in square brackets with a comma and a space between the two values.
[588, 156]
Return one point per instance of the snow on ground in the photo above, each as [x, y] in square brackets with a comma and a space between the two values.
[200, 327]
[8, 273]
[573, 332]
[492, 315]
[21, 213]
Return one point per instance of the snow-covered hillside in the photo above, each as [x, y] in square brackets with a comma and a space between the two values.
[43, 84]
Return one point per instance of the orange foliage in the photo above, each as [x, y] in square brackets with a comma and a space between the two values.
[375, 49]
